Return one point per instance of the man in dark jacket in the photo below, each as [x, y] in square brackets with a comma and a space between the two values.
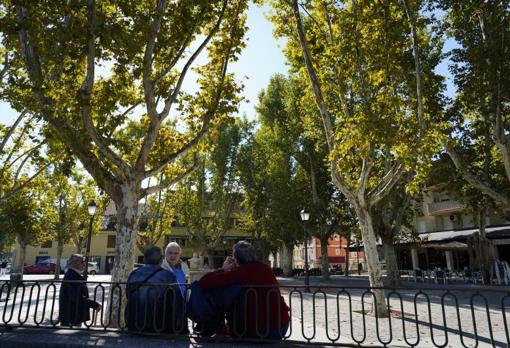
[155, 302]
[74, 302]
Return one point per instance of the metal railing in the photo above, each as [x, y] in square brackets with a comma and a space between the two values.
[332, 315]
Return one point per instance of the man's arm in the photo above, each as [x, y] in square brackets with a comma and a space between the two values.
[220, 278]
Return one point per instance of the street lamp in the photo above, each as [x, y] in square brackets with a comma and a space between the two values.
[92, 211]
[304, 217]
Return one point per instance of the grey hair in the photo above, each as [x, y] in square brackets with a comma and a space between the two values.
[172, 244]
[74, 259]
[152, 255]
[244, 252]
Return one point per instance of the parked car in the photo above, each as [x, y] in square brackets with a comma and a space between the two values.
[40, 268]
[93, 267]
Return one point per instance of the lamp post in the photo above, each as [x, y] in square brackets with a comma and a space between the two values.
[92, 210]
[357, 257]
[304, 217]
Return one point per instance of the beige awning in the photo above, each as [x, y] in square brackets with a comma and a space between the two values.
[454, 245]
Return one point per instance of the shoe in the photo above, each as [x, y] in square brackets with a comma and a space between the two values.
[224, 335]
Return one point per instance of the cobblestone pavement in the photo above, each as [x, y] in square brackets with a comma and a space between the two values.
[339, 311]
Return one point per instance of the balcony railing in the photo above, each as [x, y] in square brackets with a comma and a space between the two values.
[448, 206]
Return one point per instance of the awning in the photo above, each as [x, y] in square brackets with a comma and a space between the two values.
[336, 259]
[453, 245]
[492, 232]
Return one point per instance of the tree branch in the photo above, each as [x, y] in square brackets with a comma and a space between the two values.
[342, 185]
[205, 124]
[25, 154]
[20, 186]
[68, 134]
[156, 188]
[11, 130]
[314, 80]
[366, 168]
[171, 99]
[85, 92]
[3, 72]
[148, 85]
[15, 146]
[472, 179]
[418, 72]
[156, 119]
[386, 184]
[180, 51]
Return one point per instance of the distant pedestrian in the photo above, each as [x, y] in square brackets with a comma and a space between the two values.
[74, 302]
[3, 268]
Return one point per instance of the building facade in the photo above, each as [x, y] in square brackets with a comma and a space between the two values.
[449, 232]
[102, 246]
[337, 249]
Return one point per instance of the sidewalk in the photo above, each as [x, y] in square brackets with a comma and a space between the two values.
[362, 281]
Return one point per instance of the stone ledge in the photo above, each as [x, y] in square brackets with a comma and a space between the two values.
[65, 338]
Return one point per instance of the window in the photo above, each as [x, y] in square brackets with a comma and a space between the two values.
[182, 241]
[110, 223]
[111, 242]
[46, 244]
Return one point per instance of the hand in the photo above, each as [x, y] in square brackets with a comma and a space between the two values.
[230, 263]
[99, 308]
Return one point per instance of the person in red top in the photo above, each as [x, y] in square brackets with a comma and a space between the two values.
[262, 311]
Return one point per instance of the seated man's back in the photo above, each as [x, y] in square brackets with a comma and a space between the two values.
[153, 304]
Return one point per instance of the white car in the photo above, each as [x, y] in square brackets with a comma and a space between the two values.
[93, 268]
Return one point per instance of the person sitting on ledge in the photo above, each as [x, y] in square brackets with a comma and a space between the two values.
[173, 263]
[260, 292]
[154, 305]
[74, 302]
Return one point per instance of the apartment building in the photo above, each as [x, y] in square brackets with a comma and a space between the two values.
[102, 246]
[337, 248]
[447, 230]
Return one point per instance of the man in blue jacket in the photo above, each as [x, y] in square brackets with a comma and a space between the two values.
[155, 302]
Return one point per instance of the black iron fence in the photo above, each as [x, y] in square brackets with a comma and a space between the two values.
[457, 317]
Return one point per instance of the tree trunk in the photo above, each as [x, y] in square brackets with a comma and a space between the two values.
[372, 257]
[21, 255]
[263, 253]
[324, 258]
[60, 249]
[286, 259]
[127, 210]
[391, 260]
[79, 242]
[347, 253]
[484, 246]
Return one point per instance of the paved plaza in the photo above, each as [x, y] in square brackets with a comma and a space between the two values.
[333, 312]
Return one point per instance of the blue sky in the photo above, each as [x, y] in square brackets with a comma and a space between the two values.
[261, 58]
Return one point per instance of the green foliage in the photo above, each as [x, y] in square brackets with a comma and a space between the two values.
[157, 216]
[145, 52]
[363, 58]
[22, 156]
[67, 199]
[480, 111]
[208, 201]
[25, 215]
